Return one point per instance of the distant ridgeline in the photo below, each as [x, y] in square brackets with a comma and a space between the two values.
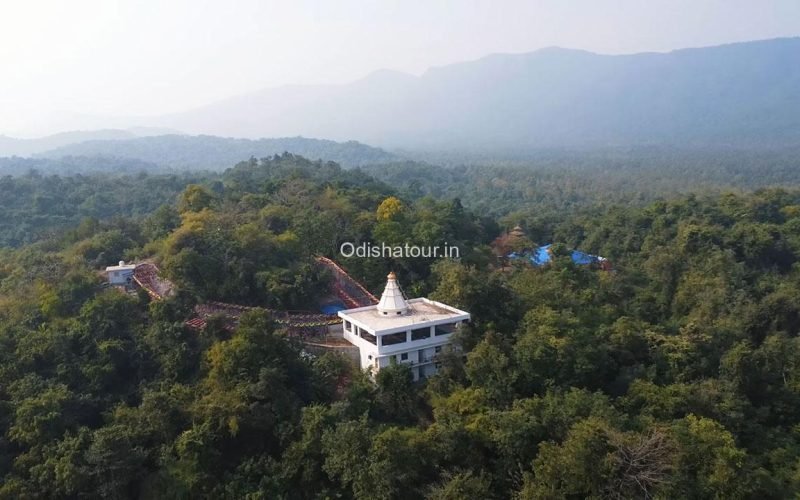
[182, 152]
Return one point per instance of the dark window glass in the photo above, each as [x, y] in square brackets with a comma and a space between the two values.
[445, 329]
[393, 338]
[420, 333]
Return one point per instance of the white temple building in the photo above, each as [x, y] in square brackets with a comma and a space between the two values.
[399, 330]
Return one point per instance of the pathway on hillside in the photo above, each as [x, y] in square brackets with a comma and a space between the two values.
[348, 290]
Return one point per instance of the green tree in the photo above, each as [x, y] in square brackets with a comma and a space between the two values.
[195, 198]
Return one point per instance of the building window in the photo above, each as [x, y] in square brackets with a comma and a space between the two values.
[421, 333]
[369, 337]
[445, 329]
[393, 338]
[348, 326]
[404, 356]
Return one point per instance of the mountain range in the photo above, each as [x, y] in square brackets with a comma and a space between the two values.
[743, 94]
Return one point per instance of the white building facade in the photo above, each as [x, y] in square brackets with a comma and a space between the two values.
[120, 275]
[397, 330]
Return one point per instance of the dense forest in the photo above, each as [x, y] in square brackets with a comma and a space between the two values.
[73, 165]
[38, 206]
[674, 375]
[569, 179]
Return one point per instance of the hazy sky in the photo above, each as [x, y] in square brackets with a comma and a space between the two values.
[106, 57]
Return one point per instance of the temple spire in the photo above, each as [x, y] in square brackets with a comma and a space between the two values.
[392, 302]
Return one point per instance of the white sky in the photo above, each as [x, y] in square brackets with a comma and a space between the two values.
[141, 57]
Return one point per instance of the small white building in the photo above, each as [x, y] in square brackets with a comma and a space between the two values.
[397, 330]
[120, 275]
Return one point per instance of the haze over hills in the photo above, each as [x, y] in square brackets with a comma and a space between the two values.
[743, 94]
[12, 146]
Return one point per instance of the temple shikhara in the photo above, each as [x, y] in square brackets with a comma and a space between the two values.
[400, 330]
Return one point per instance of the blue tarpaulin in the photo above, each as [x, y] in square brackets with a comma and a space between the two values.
[332, 308]
[579, 257]
[541, 256]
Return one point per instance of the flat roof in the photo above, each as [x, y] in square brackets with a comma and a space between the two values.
[126, 267]
[421, 311]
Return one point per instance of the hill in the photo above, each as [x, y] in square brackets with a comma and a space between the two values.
[11, 146]
[742, 94]
[218, 153]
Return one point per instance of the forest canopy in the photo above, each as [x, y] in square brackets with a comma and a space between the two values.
[676, 374]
